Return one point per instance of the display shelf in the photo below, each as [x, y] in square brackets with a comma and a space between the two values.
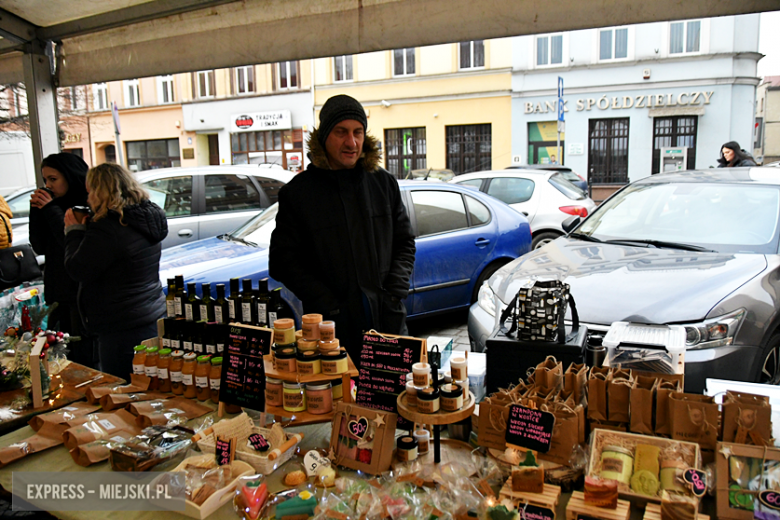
[577, 507]
[547, 498]
[653, 512]
[352, 371]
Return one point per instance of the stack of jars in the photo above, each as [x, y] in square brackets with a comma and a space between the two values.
[184, 374]
[448, 395]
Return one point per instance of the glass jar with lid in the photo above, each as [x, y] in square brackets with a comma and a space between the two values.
[150, 366]
[163, 373]
[188, 375]
[177, 362]
[215, 375]
[202, 370]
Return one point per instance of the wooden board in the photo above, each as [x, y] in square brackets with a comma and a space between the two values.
[410, 412]
[653, 512]
[311, 378]
[578, 506]
[547, 498]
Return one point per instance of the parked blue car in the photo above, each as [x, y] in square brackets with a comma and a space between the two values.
[463, 237]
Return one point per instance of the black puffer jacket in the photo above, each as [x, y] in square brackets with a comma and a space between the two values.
[118, 267]
[342, 232]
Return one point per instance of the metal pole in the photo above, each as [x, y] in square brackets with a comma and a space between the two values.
[41, 104]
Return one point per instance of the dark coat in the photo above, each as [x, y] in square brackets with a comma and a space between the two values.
[118, 268]
[741, 157]
[341, 235]
[47, 227]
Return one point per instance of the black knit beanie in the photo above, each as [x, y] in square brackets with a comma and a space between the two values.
[337, 109]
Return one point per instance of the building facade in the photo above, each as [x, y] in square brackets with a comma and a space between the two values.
[766, 143]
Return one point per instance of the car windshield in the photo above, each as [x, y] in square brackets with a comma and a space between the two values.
[567, 188]
[727, 218]
[258, 230]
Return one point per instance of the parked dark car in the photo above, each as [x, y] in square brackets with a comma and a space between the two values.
[695, 248]
[463, 237]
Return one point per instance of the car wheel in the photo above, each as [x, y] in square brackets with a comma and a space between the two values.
[542, 239]
[486, 273]
[770, 368]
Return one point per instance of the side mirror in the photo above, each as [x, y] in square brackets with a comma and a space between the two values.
[570, 223]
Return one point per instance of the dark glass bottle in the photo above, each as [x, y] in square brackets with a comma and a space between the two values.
[192, 304]
[206, 303]
[248, 306]
[277, 309]
[173, 330]
[234, 301]
[187, 328]
[221, 305]
[170, 304]
[197, 337]
[178, 300]
[209, 341]
[166, 337]
[263, 301]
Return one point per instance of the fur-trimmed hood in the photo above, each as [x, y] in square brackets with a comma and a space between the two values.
[369, 159]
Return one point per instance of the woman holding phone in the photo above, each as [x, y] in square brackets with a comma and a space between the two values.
[115, 257]
[64, 177]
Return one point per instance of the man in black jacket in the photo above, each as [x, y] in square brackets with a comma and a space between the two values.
[343, 242]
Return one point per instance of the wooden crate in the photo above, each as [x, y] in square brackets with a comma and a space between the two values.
[577, 506]
[653, 512]
[547, 498]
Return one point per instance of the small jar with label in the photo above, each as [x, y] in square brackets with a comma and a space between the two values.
[464, 385]
[451, 398]
[273, 392]
[202, 370]
[411, 393]
[428, 400]
[337, 389]
[188, 375]
[423, 438]
[617, 463]
[335, 362]
[163, 372]
[177, 362]
[672, 475]
[307, 345]
[406, 449]
[215, 375]
[319, 398]
[294, 397]
[421, 374]
[285, 359]
[309, 363]
[310, 326]
[139, 357]
[327, 330]
[328, 346]
[150, 366]
[459, 368]
[284, 331]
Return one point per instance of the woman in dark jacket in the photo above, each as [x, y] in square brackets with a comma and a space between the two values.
[115, 257]
[64, 175]
[731, 156]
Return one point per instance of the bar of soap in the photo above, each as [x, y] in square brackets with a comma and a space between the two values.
[646, 458]
[601, 492]
[678, 507]
[303, 504]
[644, 483]
[528, 479]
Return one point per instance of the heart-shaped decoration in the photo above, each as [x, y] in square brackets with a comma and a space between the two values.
[358, 428]
[312, 461]
[696, 480]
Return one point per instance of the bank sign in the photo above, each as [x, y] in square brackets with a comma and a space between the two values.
[257, 121]
[683, 99]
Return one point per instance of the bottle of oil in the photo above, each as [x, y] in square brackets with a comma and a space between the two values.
[192, 304]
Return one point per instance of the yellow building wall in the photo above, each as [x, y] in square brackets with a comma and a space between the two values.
[370, 66]
[323, 71]
[435, 59]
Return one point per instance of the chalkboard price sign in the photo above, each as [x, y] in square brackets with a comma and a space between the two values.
[528, 428]
[383, 363]
[243, 373]
[531, 512]
[225, 450]
[258, 442]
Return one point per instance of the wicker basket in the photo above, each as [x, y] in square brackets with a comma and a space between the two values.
[241, 427]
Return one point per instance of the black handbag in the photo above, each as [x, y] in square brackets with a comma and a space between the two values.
[17, 264]
[538, 312]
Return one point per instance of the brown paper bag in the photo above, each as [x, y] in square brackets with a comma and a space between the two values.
[138, 383]
[663, 390]
[493, 414]
[641, 407]
[103, 426]
[575, 381]
[113, 401]
[548, 375]
[619, 384]
[597, 393]
[565, 433]
[747, 418]
[98, 451]
[48, 436]
[162, 411]
[569, 401]
[63, 415]
[694, 418]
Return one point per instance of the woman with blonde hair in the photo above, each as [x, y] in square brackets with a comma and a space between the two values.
[115, 256]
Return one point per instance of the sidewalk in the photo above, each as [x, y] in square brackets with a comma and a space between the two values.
[449, 325]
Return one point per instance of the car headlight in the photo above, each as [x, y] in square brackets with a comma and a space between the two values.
[714, 332]
[486, 300]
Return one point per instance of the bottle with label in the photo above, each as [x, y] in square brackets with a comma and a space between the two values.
[163, 373]
[215, 375]
[188, 375]
[202, 370]
[178, 299]
[170, 306]
[192, 304]
[206, 303]
[186, 335]
[248, 306]
[150, 366]
[208, 334]
[263, 300]
[221, 305]
[274, 307]
[197, 337]
[173, 331]
[177, 363]
[234, 301]
[139, 358]
[165, 341]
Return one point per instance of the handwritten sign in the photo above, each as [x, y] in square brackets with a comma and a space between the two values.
[531, 429]
[531, 512]
[258, 442]
[242, 381]
[225, 450]
[770, 499]
[358, 428]
[382, 366]
[696, 480]
[312, 461]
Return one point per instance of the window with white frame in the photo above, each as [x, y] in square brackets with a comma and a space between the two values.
[403, 62]
[245, 80]
[75, 97]
[132, 94]
[205, 87]
[100, 96]
[613, 44]
[342, 66]
[685, 37]
[165, 89]
[549, 50]
[289, 75]
[472, 54]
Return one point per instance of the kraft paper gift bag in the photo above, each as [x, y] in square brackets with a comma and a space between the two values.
[575, 382]
[694, 418]
[548, 375]
[641, 405]
[747, 419]
[619, 384]
[597, 393]
[664, 389]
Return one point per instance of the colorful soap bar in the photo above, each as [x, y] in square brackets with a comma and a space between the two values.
[303, 504]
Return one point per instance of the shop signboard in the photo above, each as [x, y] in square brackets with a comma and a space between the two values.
[259, 121]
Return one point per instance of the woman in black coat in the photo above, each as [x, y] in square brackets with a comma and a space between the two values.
[115, 257]
[731, 156]
[64, 175]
